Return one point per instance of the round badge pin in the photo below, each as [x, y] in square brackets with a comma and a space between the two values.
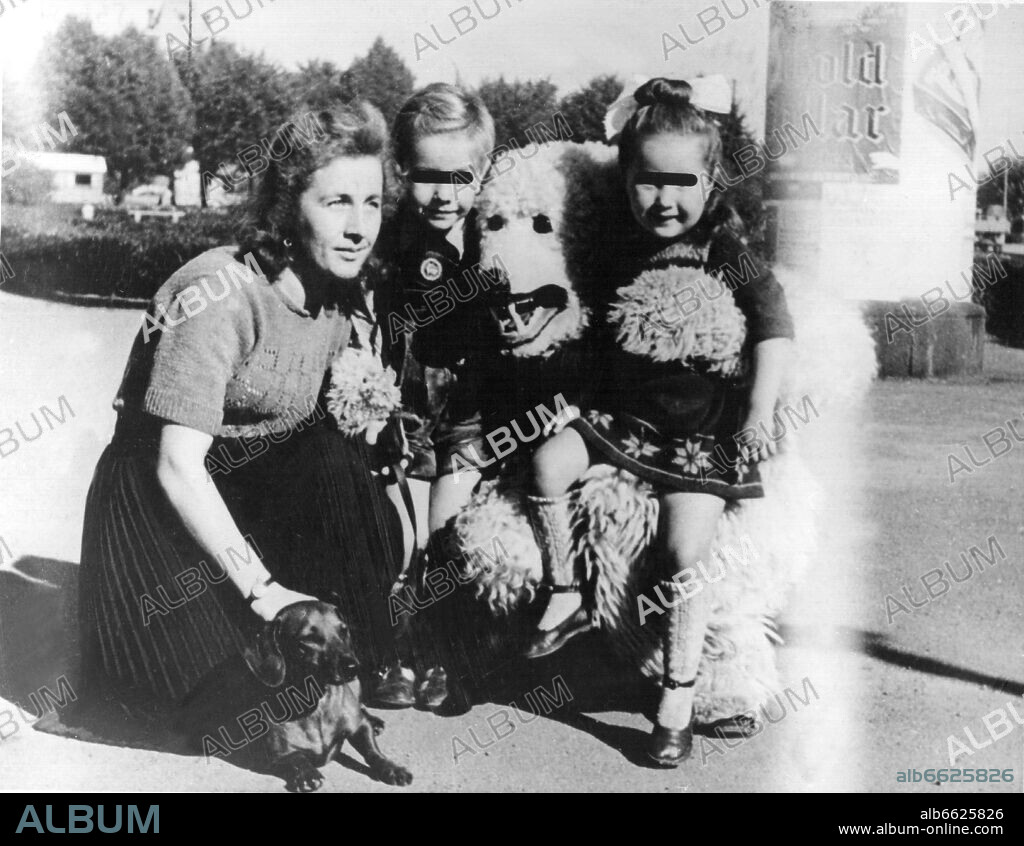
[430, 269]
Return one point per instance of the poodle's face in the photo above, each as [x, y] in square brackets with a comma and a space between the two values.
[526, 214]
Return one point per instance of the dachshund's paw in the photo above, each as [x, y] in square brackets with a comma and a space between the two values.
[304, 779]
[376, 723]
[391, 773]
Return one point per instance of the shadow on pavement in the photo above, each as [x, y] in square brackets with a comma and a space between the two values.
[878, 646]
[38, 646]
[38, 607]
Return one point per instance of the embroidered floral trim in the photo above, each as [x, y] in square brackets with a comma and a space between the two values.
[678, 253]
[691, 458]
[637, 447]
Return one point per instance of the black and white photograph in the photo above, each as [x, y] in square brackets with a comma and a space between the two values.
[512, 396]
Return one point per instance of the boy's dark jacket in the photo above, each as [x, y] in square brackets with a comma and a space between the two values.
[432, 324]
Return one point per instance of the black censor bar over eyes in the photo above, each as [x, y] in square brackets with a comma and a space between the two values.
[660, 178]
[443, 177]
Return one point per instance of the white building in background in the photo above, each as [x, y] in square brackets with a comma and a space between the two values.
[77, 178]
[187, 185]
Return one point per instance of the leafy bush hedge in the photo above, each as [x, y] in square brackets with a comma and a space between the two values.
[53, 251]
[1003, 300]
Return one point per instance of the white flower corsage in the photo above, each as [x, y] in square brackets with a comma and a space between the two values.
[363, 392]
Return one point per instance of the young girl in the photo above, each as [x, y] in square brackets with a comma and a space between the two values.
[664, 421]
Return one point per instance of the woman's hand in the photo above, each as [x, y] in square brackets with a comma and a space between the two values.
[561, 420]
[392, 445]
[277, 596]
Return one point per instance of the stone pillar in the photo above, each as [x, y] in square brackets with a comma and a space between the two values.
[872, 196]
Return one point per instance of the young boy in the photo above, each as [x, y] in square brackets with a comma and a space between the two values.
[442, 139]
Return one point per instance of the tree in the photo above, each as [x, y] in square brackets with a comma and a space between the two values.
[380, 77]
[122, 96]
[27, 185]
[21, 113]
[239, 101]
[748, 195]
[584, 110]
[317, 84]
[516, 106]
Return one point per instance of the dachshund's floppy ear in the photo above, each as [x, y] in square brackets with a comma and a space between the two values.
[265, 659]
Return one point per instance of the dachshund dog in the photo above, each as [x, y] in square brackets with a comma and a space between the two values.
[297, 700]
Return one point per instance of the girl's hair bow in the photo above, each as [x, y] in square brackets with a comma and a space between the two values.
[707, 93]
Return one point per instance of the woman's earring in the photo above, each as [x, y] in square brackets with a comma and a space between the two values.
[287, 243]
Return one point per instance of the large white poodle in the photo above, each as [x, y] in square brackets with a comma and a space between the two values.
[762, 545]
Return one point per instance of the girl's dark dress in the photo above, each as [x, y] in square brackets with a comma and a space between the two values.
[248, 369]
[678, 426]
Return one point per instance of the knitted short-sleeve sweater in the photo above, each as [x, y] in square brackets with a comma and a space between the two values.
[225, 351]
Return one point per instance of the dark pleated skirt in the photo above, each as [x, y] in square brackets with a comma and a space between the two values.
[318, 518]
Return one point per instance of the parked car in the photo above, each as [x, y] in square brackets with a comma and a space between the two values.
[148, 197]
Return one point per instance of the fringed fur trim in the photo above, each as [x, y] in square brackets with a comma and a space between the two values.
[681, 314]
[496, 519]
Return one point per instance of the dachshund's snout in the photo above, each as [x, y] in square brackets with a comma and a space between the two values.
[345, 667]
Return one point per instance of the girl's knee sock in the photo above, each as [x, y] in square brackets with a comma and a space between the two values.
[551, 519]
[685, 624]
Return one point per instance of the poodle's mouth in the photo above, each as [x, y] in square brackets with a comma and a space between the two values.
[522, 317]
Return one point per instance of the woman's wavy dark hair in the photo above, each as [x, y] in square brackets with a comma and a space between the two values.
[665, 107]
[355, 130]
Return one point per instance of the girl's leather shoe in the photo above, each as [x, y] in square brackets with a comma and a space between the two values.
[551, 640]
[669, 747]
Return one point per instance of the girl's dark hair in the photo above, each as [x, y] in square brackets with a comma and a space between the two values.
[665, 107]
[314, 139]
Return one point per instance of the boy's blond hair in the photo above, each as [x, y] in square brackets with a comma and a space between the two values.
[437, 109]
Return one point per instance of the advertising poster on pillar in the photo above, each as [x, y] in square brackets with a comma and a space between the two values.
[835, 70]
